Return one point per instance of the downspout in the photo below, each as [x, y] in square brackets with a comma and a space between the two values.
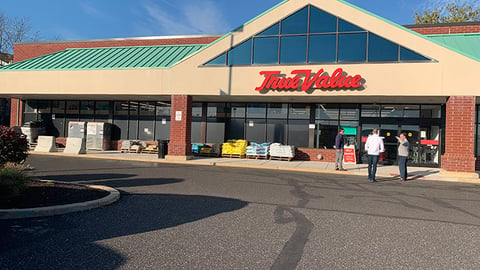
[18, 112]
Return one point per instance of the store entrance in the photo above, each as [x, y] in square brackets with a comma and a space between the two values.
[424, 143]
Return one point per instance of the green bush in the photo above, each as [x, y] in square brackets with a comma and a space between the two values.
[13, 146]
[13, 180]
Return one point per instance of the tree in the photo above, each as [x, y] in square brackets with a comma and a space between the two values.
[14, 30]
[451, 13]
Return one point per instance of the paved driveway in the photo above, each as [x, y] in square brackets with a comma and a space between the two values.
[204, 217]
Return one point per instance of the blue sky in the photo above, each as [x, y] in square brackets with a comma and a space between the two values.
[99, 19]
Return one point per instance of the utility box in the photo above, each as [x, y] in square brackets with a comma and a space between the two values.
[98, 136]
[77, 129]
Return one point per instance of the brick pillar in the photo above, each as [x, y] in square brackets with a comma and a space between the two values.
[16, 105]
[180, 146]
[459, 135]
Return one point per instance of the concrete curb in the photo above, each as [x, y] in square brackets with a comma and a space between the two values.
[62, 209]
[452, 177]
[292, 169]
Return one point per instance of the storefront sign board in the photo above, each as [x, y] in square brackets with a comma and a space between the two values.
[304, 80]
[349, 156]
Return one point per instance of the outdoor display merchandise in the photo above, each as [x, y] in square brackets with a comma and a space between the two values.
[234, 148]
[255, 150]
[203, 149]
[282, 152]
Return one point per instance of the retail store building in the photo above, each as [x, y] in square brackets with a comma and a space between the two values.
[293, 75]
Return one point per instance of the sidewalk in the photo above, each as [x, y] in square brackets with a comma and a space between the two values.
[391, 172]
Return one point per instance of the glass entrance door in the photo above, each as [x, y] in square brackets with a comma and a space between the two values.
[429, 146]
[389, 132]
[412, 132]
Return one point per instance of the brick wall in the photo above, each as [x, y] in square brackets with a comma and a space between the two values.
[61, 141]
[459, 135]
[31, 50]
[116, 145]
[13, 112]
[180, 131]
[435, 29]
[311, 154]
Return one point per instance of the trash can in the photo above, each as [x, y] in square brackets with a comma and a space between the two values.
[162, 148]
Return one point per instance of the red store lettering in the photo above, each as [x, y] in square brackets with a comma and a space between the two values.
[337, 80]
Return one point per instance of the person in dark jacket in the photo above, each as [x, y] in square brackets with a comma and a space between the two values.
[339, 144]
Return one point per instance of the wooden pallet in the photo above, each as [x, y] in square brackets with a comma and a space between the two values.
[212, 154]
[233, 156]
[257, 156]
[281, 158]
[149, 151]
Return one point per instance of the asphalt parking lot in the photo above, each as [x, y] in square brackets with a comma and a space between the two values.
[205, 217]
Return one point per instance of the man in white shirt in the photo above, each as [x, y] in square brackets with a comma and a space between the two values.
[374, 146]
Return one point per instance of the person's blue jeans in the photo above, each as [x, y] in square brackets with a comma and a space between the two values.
[372, 166]
[402, 166]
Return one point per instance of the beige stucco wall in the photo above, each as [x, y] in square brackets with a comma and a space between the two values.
[87, 82]
[450, 74]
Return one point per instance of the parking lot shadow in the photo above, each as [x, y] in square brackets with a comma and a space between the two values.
[41, 242]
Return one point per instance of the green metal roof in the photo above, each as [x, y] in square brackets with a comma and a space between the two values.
[108, 58]
[467, 44]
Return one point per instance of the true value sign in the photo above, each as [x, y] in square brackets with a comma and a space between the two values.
[275, 80]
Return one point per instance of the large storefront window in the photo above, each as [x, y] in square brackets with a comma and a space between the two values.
[197, 113]
[431, 111]
[133, 120]
[311, 35]
[240, 55]
[87, 111]
[39, 111]
[265, 50]
[277, 114]
[30, 113]
[58, 118]
[235, 122]
[146, 121]
[329, 118]
[102, 111]
[216, 113]
[298, 124]
[326, 122]
[275, 123]
[403, 111]
[72, 112]
[120, 120]
[256, 122]
[162, 120]
[370, 110]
